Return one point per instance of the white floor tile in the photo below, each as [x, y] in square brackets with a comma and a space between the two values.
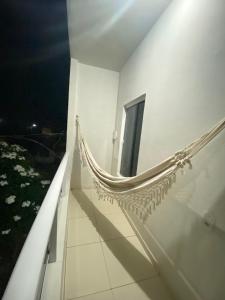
[113, 226]
[90, 193]
[106, 207]
[81, 231]
[76, 209]
[126, 261]
[107, 295]
[152, 289]
[124, 267]
[85, 271]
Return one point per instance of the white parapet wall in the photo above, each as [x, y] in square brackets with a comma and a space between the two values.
[53, 286]
[40, 244]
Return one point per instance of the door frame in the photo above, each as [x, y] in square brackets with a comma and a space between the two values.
[122, 128]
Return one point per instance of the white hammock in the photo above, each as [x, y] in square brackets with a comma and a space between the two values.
[142, 193]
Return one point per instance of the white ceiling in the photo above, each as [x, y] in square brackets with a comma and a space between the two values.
[104, 33]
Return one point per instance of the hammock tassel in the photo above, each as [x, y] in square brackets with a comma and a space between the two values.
[142, 193]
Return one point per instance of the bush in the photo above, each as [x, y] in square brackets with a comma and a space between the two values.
[22, 189]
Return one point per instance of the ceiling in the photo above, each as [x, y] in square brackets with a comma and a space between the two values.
[105, 33]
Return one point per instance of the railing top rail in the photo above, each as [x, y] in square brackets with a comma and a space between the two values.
[25, 278]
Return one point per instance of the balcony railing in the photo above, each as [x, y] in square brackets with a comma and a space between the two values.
[40, 246]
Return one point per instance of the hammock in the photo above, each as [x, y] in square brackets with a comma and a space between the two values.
[142, 193]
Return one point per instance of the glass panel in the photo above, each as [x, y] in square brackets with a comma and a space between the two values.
[131, 141]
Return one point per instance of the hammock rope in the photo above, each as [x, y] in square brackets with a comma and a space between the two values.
[142, 193]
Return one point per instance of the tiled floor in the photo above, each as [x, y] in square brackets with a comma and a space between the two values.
[105, 260]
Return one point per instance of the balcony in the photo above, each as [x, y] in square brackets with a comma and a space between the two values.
[83, 248]
[93, 251]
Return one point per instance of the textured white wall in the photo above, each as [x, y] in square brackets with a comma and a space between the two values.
[97, 91]
[181, 67]
[71, 130]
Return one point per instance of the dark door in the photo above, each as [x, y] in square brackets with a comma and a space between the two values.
[131, 140]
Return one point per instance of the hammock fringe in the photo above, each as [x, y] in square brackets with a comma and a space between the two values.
[141, 203]
[141, 194]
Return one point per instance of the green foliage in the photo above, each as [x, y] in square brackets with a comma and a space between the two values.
[22, 190]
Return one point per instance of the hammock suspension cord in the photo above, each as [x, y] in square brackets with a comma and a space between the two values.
[142, 193]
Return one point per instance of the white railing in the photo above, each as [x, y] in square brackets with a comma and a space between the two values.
[26, 279]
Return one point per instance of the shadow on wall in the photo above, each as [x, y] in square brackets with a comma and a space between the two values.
[203, 259]
[186, 233]
[76, 169]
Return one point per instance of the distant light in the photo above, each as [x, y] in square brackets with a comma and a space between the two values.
[34, 125]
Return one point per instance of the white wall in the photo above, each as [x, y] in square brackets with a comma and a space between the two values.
[71, 130]
[181, 67]
[97, 91]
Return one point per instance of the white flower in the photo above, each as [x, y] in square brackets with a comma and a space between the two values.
[45, 182]
[24, 184]
[21, 158]
[4, 144]
[19, 168]
[16, 218]
[3, 176]
[26, 203]
[36, 208]
[11, 155]
[18, 148]
[3, 182]
[32, 174]
[10, 199]
[23, 174]
[7, 231]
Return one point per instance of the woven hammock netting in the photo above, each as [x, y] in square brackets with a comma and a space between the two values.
[141, 194]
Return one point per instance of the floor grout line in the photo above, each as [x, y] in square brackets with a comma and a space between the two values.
[85, 244]
[117, 238]
[75, 218]
[114, 288]
[117, 287]
[93, 222]
[99, 292]
[106, 267]
[111, 289]
[137, 281]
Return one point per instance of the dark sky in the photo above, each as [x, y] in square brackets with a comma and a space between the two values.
[34, 67]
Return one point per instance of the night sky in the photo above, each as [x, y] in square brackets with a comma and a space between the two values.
[34, 74]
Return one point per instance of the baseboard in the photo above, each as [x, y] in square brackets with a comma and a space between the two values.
[142, 241]
[176, 281]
